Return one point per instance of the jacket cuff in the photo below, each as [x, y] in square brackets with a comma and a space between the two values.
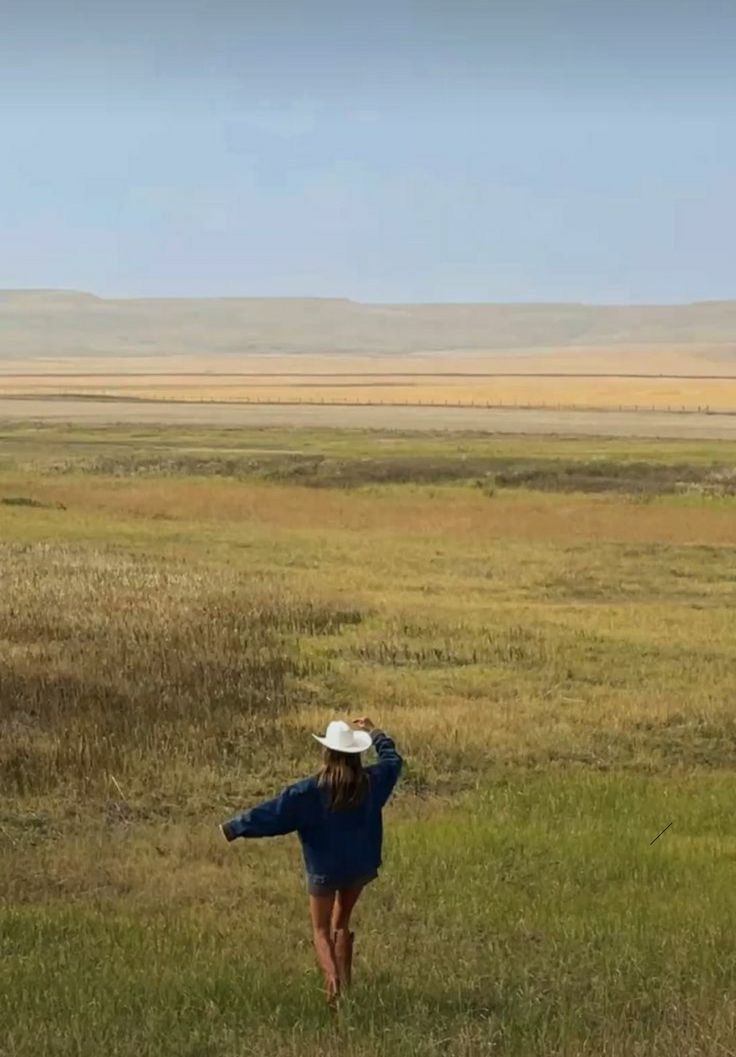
[228, 831]
[377, 733]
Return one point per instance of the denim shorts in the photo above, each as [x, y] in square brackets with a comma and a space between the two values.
[330, 888]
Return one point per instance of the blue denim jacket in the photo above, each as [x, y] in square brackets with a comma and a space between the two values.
[338, 846]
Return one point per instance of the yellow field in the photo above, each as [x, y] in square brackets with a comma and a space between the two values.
[663, 394]
[584, 379]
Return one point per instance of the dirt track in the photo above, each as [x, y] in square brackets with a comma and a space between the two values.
[506, 420]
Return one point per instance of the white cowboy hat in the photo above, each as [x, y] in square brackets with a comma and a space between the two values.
[342, 738]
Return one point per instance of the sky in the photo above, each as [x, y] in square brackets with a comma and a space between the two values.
[382, 150]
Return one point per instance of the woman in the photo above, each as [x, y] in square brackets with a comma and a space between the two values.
[338, 816]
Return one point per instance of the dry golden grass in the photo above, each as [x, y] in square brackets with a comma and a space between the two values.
[427, 562]
[437, 380]
[464, 516]
[530, 391]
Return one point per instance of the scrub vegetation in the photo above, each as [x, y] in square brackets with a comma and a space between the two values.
[545, 626]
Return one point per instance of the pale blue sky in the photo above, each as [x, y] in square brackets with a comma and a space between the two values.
[459, 150]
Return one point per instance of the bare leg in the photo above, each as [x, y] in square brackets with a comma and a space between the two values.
[344, 904]
[342, 936]
[320, 908]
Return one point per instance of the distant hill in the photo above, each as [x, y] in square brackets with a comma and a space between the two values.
[40, 323]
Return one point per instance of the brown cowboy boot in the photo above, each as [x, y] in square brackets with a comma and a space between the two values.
[343, 943]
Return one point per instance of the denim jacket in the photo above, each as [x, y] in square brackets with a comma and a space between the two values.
[338, 846]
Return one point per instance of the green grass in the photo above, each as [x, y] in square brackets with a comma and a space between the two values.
[535, 918]
[344, 459]
[559, 669]
[53, 440]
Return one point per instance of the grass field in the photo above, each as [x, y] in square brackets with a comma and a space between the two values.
[546, 627]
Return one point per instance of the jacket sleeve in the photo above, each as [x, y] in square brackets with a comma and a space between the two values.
[386, 772]
[273, 818]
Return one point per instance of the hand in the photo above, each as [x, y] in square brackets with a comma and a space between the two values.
[364, 724]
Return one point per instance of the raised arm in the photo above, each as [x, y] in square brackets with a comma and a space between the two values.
[273, 818]
[389, 765]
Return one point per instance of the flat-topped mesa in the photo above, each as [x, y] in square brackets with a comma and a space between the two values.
[42, 323]
[43, 298]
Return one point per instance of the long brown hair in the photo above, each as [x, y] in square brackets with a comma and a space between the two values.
[343, 777]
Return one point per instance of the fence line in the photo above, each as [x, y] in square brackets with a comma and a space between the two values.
[501, 405]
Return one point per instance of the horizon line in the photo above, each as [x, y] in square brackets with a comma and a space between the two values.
[72, 291]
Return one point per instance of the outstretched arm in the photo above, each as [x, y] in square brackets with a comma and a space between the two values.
[273, 818]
